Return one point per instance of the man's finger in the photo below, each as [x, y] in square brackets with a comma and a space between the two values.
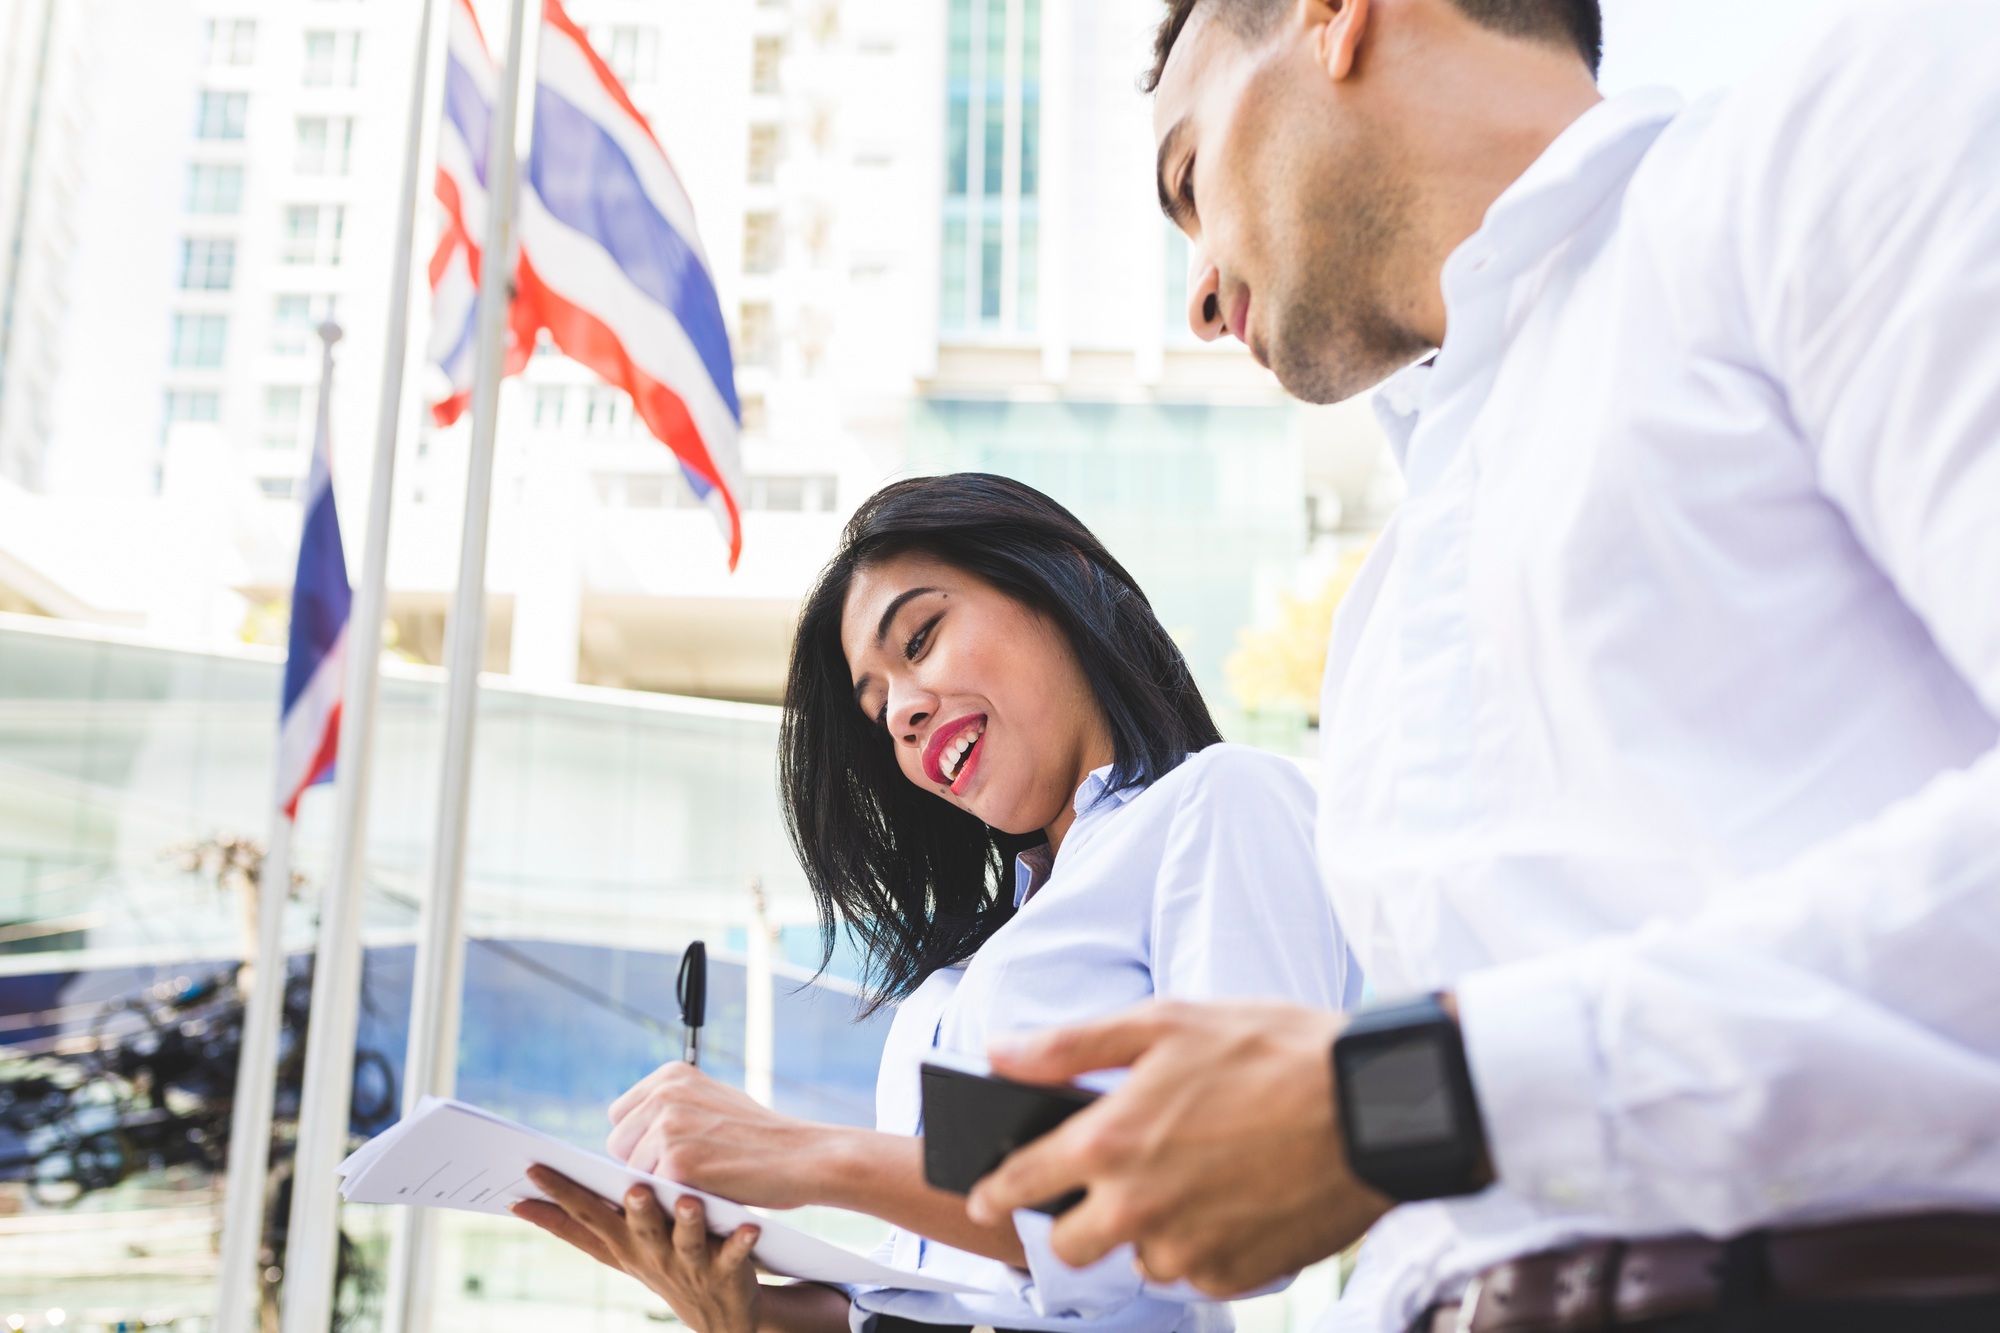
[690, 1231]
[1048, 1168]
[565, 1228]
[1056, 1055]
[1094, 1228]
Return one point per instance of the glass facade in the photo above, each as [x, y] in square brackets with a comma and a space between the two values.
[993, 123]
[607, 829]
[1199, 501]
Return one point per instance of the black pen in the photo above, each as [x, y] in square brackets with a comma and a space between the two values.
[691, 989]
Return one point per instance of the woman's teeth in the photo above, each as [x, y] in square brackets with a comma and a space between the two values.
[954, 753]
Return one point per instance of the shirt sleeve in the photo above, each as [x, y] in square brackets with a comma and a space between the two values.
[1238, 913]
[1741, 1067]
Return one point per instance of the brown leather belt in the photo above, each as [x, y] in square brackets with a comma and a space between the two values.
[1615, 1284]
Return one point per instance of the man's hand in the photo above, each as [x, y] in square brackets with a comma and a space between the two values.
[1220, 1158]
[679, 1123]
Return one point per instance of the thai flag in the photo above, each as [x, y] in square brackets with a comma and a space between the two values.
[471, 82]
[309, 721]
[614, 269]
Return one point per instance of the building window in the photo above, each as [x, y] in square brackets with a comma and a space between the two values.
[1177, 283]
[765, 59]
[333, 59]
[325, 145]
[189, 405]
[757, 334]
[637, 490]
[221, 115]
[633, 52]
[231, 41]
[754, 414]
[549, 406]
[993, 123]
[207, 265]
[763, 154]
[790, 495]
[312, 233]
[283, 404]
[762, 243]
[214, 188]
[199, 341]
[295, 321]
[278, 488]
[606, 411]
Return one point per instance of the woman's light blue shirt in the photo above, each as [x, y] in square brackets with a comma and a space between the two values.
[1201, 886]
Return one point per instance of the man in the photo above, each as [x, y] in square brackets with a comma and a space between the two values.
[1658, 738]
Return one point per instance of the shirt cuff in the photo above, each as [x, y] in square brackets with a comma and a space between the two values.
[1527, 1032]
[1056, 1289]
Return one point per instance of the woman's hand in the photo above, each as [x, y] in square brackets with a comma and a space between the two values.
[710, 1283]
[679, 1123]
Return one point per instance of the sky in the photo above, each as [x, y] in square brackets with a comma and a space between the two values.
[1695, 46]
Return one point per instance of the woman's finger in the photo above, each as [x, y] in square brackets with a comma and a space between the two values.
[737, 1248]
[601, 1216]
[690, 1231]
[565, 1228]
[643, 1216]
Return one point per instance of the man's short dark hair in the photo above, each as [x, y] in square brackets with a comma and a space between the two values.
[1576, 23]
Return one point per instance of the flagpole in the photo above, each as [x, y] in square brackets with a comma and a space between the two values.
[263, 1005]
[431, 1066]
[256, 1073]
[311, 1252]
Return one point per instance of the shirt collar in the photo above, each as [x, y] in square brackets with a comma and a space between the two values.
[1584, 165]
[1097, 787]
[1033, 867]
[1595, 155]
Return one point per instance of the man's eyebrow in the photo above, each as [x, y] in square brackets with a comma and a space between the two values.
[1170, 202]
[889, 614]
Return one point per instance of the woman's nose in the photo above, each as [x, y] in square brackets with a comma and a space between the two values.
[908, 711]
[1204, 311]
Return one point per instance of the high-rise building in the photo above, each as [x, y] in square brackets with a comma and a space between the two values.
[933, 229]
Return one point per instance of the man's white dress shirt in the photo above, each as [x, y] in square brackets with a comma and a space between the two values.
[1661, 722]
[1201, 886]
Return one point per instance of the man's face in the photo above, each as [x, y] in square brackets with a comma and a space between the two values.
[1292, 198]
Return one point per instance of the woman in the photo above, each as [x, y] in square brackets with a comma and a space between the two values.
[1001, 779]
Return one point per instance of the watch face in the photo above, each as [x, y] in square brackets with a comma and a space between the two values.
[1400, 1096]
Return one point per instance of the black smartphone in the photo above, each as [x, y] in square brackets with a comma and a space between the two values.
[972, 1120]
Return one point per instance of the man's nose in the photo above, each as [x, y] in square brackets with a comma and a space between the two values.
[1204, 311]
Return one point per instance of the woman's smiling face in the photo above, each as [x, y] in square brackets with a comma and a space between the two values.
[981, 696]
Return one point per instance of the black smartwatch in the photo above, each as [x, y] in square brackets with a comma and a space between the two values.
[1406, 1104]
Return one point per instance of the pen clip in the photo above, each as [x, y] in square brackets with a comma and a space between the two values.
[691, 984]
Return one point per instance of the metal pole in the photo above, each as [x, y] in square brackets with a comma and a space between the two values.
[431, 1065]
[256, 1077]
[311, 1250]
[758, 1002]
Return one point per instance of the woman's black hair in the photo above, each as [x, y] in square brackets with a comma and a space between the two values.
[920, 883]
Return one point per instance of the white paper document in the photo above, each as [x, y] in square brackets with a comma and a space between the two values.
[451, 1155]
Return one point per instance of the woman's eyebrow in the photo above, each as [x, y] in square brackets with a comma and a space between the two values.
[889, 615]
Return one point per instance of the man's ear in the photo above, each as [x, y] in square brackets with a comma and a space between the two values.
[1336, 27]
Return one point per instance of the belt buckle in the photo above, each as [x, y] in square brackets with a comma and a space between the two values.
[1468, 1305]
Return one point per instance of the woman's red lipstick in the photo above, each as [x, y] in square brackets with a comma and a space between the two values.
[940, 739]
